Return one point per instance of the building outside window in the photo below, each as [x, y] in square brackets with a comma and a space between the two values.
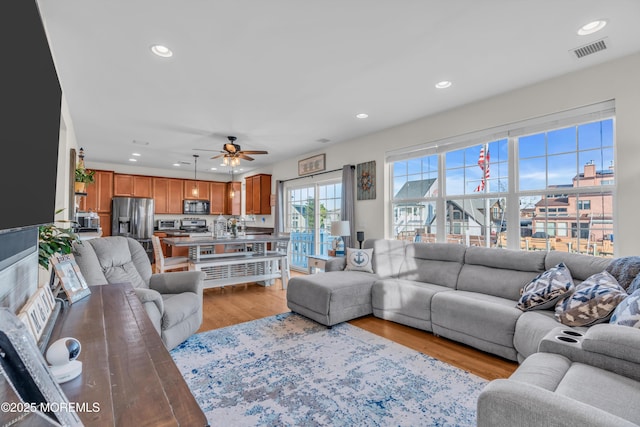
[541, 186]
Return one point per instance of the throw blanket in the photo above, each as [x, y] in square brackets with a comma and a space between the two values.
[625, 270]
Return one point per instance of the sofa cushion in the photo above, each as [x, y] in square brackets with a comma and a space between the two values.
[485, 317]
[627, 313]
[581, 266]
[437, 263]
[387, 256]
[406, 301]
[499, 272]
[359, 260]
[593, 301]
[546, 289]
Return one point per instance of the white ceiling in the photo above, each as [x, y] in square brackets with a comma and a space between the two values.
[283, 74]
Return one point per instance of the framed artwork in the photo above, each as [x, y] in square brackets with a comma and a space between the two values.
[366, 180]
[311, 165]
[68, 272]
[28, 380]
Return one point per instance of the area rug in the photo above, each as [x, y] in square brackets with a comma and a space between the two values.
[286, 370]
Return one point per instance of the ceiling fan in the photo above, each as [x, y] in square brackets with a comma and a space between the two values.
[232, 153]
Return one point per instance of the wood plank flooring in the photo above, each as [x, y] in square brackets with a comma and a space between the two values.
[242, 303]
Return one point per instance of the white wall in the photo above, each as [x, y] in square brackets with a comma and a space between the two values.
[613, 80]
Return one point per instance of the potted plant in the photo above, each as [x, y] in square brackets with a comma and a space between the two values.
[83, 177]
[54, 240]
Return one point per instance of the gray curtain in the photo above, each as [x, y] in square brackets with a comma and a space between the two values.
[347, 206]
[278, 220]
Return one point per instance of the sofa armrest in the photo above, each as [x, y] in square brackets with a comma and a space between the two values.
[177, 282]
[620, 342]
[505, 403]
[150, 296]
[335, 264]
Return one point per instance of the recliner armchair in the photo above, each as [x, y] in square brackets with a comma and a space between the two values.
[173, 301]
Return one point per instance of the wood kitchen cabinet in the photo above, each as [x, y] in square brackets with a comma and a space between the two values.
[168, 196]
[232, 204]
[258, 194]
[132, 185]
[217, 196]
[201, 189]
[99, 194]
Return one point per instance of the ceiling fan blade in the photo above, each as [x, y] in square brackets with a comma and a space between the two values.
[243, 156]
[218, 156]
[254, 152]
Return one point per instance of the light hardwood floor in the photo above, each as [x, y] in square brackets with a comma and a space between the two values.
[242, 303]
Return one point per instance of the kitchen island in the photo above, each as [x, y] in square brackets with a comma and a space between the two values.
[243, 259]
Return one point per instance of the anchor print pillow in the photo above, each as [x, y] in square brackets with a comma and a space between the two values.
[359, 260]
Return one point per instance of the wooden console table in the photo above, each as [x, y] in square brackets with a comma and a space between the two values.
[125, 366]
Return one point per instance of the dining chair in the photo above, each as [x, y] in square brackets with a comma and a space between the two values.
[163, 264]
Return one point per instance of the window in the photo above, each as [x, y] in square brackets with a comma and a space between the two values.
[310, 211]
[553, 178]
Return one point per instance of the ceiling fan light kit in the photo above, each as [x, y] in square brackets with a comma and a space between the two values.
[232, 153]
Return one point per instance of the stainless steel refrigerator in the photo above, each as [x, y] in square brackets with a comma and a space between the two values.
[133, 217]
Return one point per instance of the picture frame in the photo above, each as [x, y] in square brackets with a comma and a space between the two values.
[73, 282]
[29, 381]
[311, 165]
[366, 180]
[37, 311]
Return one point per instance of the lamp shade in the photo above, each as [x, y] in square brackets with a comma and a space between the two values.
[340, 228]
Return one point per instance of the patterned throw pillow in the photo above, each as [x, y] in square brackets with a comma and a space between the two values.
[546, 289]
[627, 313]
[359, 260]
[592, 302]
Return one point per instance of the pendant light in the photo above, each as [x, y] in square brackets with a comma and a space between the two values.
[194, 191]
[232, 193]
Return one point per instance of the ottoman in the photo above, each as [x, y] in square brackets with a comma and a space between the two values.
[333, 297]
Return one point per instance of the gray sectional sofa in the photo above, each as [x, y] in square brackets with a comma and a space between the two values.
[568, 375]
[467, 294]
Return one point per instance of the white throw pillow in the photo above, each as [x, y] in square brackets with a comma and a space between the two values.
[359, 260]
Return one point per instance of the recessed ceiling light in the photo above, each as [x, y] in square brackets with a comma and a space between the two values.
[133, 160]
[443, 84]
[222, 164]
[161, 51]
[362, 115]
[176, 164]
[136, 154]
[214, 169]
[592, 27]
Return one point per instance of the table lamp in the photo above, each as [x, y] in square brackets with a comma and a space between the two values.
[339, 229]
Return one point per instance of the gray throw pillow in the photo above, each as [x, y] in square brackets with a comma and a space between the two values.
[625, 270]
[546, 289]
[593, 301]
[359, 260]
[627, 313]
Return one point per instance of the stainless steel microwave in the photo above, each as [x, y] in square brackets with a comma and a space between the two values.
[196, 207]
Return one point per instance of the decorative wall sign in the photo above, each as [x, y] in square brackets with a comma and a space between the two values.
[36, 311]
[366, 180]
[73, 282]
[311, 165]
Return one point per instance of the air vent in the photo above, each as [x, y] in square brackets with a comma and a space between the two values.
[594, 47]
[184, 163]
[323, 140]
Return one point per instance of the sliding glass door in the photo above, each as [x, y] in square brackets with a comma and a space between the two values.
[310, 211]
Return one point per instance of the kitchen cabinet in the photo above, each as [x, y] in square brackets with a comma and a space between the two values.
[232, 206]
[105, 223]
[196, 190]
[167, 193]
[99, 194]
[218, 194]
[258, 194]
[132, 185]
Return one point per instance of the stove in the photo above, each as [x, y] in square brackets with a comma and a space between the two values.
[194, 225]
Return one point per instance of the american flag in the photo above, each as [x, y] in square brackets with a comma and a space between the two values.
[483, 162]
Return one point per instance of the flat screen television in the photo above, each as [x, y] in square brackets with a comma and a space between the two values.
[30, 119]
